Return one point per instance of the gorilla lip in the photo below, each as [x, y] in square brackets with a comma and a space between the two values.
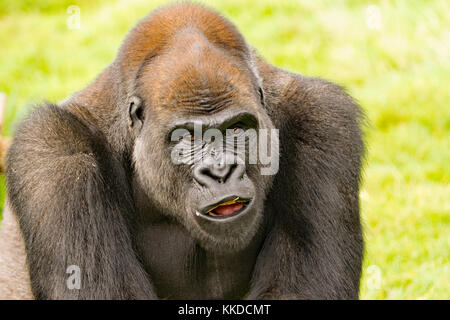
[227, 207]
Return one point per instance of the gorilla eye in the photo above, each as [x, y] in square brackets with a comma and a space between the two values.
[237, 127]
[189, 137]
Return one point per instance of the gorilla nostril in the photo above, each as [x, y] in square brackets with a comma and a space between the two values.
[219, 173]
[209, 173]
[230, 172]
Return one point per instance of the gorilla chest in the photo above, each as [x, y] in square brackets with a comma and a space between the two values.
[180, 269]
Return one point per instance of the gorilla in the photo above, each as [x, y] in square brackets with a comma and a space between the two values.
[92, 181]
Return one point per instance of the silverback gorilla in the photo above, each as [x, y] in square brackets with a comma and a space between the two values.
[92, 183]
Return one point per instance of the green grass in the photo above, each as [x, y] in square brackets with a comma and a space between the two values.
[400, 73]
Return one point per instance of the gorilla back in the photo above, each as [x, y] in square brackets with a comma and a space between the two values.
[93, 181]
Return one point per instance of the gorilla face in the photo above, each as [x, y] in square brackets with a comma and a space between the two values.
[207, 119]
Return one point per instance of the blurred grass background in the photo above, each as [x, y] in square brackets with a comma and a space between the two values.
[393, 57]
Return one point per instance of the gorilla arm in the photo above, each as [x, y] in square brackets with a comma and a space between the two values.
[73, 202]
[314, 248]
[14, 279]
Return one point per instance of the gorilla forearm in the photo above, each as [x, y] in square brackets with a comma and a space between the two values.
[309, 264]
[14, 278]
[70, 201]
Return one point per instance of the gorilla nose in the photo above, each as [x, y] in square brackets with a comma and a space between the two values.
[217, 172]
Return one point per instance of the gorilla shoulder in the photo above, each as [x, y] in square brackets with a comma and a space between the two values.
[56, 173]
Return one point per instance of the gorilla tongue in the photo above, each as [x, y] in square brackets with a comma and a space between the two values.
[225, 210]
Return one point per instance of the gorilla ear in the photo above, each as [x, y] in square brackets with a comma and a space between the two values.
[261, 95]
[136, 114]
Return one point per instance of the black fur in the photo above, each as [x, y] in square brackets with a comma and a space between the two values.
[314, 249]
[74, 205]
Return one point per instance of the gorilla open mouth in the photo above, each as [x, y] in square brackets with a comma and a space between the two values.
[228, 207]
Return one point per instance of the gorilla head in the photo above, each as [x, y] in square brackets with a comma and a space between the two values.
[213, 191]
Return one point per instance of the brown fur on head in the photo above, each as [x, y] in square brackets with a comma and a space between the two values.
[190, 30]
[155, 33]
[194, 73]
